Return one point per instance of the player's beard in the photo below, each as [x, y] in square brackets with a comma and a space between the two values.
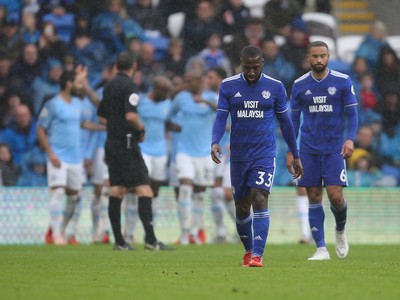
[318, 68]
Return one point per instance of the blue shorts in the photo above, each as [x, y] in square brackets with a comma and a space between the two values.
[323, 170]
[252, 174]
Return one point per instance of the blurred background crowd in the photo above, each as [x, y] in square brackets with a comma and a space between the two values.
[41, 38]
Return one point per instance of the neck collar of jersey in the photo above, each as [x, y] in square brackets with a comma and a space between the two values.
[319, 80]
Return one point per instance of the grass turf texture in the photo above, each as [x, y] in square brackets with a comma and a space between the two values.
[196, 272]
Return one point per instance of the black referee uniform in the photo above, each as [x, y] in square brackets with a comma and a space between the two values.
[123, 157]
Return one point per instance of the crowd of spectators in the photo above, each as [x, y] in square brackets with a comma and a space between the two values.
[41, 38]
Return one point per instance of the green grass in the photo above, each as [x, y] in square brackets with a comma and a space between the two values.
[196, 272]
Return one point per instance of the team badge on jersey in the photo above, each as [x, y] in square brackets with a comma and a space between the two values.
[266, 94]
[332, 91]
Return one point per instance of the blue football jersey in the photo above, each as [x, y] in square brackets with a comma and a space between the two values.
[322, 104]
[252, 109]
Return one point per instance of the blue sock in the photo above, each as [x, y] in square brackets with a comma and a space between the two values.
[260, 228]
[316, 217]
[340, 216]
[244, 229]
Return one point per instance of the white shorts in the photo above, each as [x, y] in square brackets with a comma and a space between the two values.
[199, 169]
[219, 169]
[68, 175]
[157, 166]
[100, 170]
[173, 174]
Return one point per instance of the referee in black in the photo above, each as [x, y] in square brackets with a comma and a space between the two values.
[125, 163]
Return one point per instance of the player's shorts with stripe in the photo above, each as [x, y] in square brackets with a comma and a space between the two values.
[258, 173]
[126, 167]
[68, 175]
[323, 170]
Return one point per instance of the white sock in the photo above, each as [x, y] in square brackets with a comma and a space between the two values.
[95, 209]
[184, 206]
[131, 215]
[55, 209]
[104, 221]
[197, 209]
[217, 209]
[302, 211]
[76, 213]
[156, 207]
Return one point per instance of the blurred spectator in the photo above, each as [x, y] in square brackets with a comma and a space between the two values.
[33, 171]
[141, 83]
[196, 64]
[13, 8]
[90, 53]
[5, 66]
[47, 85]
[279, 14]
[20, 134]
[49, 43]
[9, 172]
[214, 56]
[28, 29]
[149, 17]
[368, 97]
[198, 29]
[253, 34]
[174, 62]
[27, 67]
[232, 16]
[358, 69]
[294, 49]
[361, 172]
[364, 141]
[168, 7]
[12, 100]
[275, 65]
[372, 44]
[147, 64]
[10, 39]
[389, 108]
[3, 14]
[62, 20]
[387, 73]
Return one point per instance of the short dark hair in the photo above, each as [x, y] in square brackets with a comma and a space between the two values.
[220, 71]
[251, 51]
[125, 60]
[65, 77]
[317, 44]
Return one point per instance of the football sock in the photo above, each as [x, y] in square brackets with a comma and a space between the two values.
[95, 210]
[197, 210]
[69, 210]
[316, 217]
[184, 206]
[217, 209]
[114, 212]
[131, 215]
[260, 229]
[55, 207]
[156, 207]
[244, 229]
[340, 216]
[104, 219]
[75, 216]
[146, 216]
[302, 211]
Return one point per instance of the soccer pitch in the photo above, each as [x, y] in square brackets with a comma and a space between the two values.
[197, 272]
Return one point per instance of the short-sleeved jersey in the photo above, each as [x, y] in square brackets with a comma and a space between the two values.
[119, 97]
[62, 122]
[252, 109]
[153, 115]
[196, 120]
[322, 104]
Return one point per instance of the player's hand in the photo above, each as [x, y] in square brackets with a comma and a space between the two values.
[216, 153]
[298, 169]
[347, 149]
[55, 161]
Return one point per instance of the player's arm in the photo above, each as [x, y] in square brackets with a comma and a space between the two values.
[44, 144]
[200, 99]
[350, 109]
[86, 124]
[217, 133]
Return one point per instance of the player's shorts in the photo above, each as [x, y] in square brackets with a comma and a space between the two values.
[99, 167]
[219, 169]
[323, 170]
[68, 175]
[126, 167]
[258, 173]
[199, 169]
[173, 174]
[157, 166]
